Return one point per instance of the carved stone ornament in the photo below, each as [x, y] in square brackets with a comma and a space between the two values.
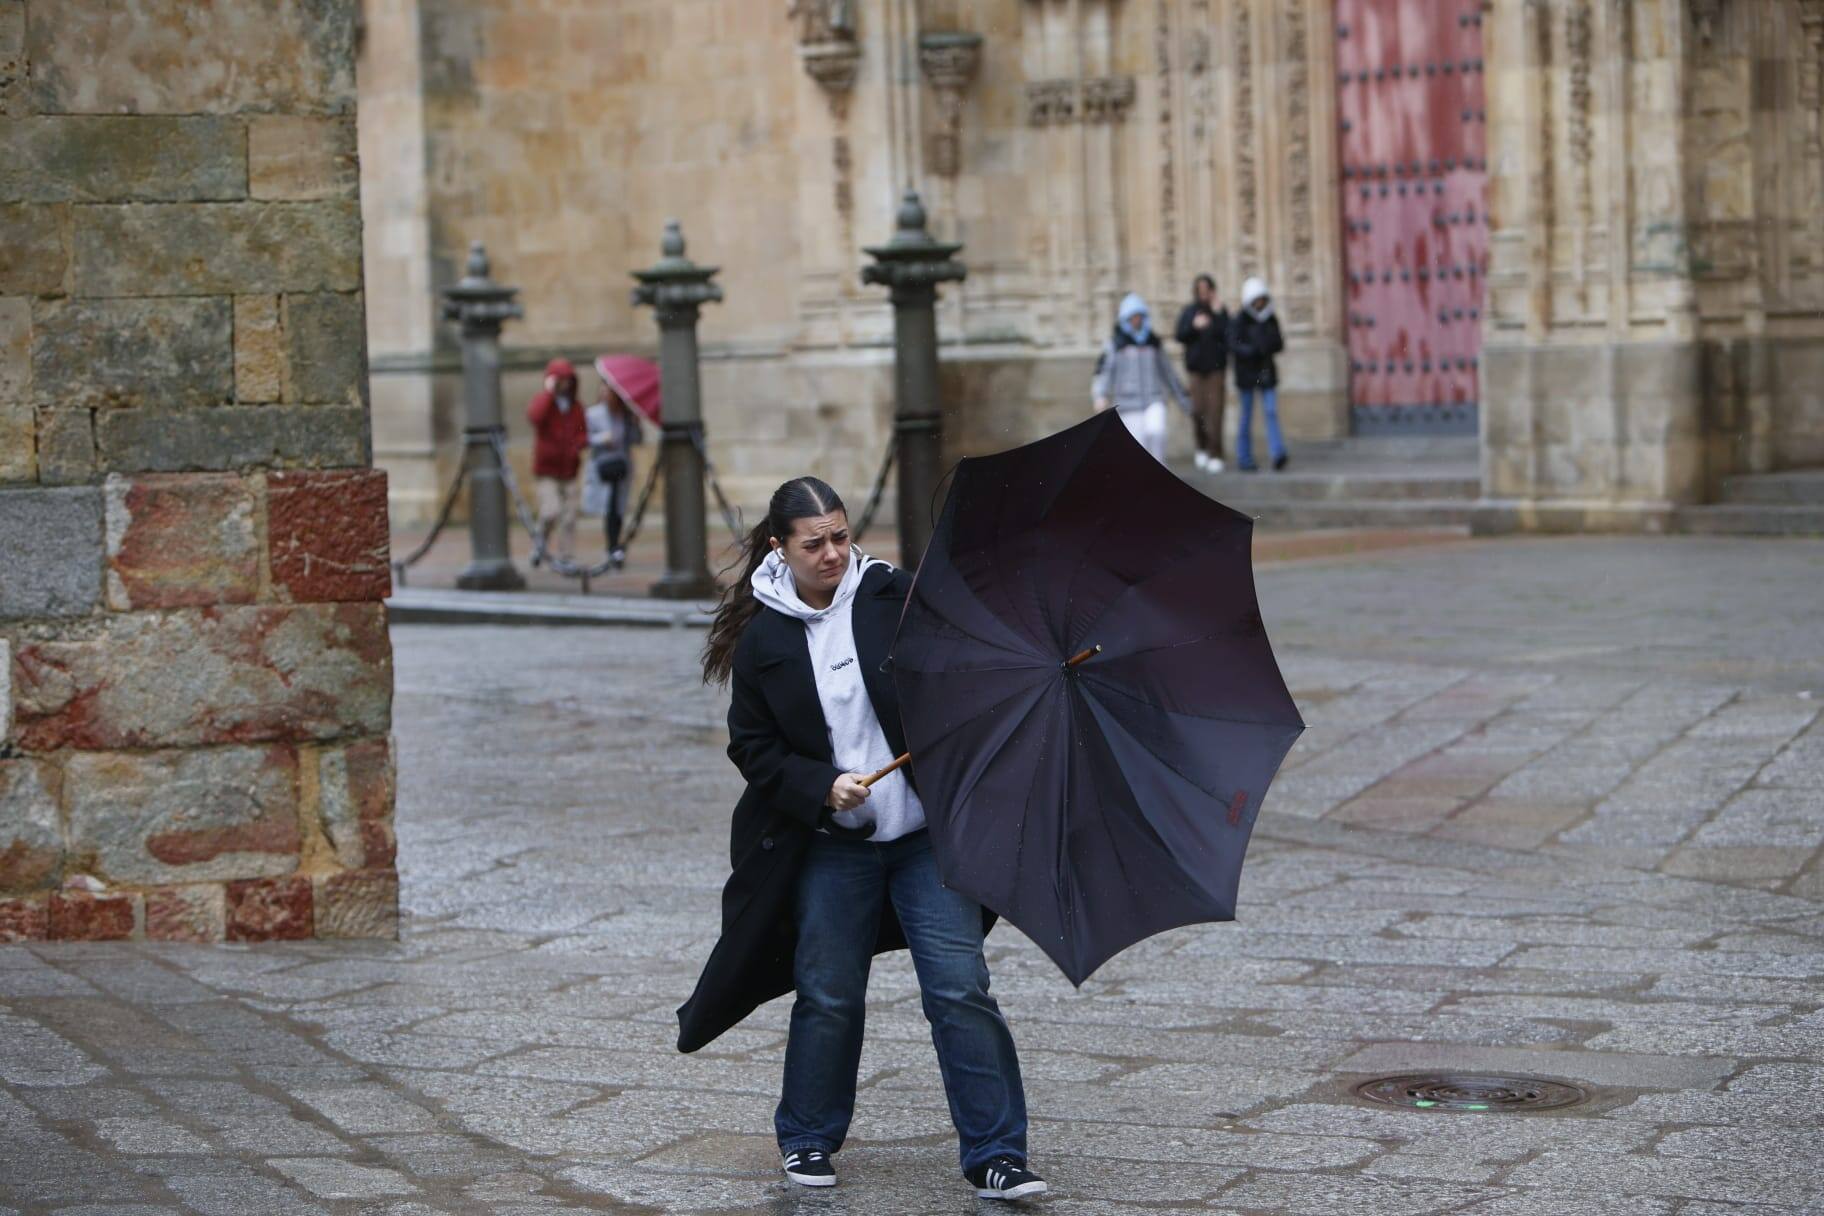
[1051, 102]
[822, 20]
[1108, 98]
[1704, 16]
[948, 61]
[826, 45]
[832, 65]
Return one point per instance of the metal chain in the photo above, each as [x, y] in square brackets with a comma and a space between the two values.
[729, 516]
[497, 443]
[497, 440]
[443, 517]
[880, 488]
[639, 510]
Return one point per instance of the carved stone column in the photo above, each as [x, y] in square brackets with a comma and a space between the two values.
[831, 55]
[948, 61]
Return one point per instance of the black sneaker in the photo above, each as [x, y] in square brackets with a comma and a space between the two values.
[1279, 462]
[1005, 1178]
[809, 1167]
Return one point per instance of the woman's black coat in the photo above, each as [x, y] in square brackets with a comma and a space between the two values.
[777, 737]
[1252, 345]
[1207, 349]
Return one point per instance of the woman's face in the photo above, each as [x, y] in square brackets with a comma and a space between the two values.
[1260, 303]
[817, 553]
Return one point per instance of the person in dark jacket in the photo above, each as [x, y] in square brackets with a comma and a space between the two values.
[559, 437]
[1253, 341]
[1203, 331]
[828, 870]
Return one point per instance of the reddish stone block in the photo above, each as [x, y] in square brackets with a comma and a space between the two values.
[270, 910]
[24, 920]
[328, 535]
[356, 789]
[358, 903]
[77, 917]
[186, 914]
[213, 675]
[181, 540]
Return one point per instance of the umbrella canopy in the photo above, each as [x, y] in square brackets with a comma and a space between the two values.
[635, 379]
[1092, 804]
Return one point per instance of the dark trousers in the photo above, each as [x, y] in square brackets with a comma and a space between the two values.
[1209, 393]
[617, 511]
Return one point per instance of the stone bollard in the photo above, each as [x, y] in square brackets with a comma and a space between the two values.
[911, 265]
[676, 289]
[482, 306]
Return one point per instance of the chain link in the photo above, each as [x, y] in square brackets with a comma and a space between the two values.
[880, 488]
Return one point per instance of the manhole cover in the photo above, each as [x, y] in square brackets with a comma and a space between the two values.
[1470, 1091]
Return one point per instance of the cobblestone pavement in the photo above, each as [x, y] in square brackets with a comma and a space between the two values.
[1559, 811]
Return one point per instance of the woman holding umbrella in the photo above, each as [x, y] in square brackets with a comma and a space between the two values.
[828, 870]
[614, 429]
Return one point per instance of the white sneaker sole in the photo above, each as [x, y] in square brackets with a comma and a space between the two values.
[1014, 1192]
[812, 1179]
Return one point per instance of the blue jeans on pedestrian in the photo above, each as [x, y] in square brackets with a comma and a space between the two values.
[841, 891]
[1244, 437]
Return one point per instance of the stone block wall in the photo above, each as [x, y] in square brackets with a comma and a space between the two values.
[195, 672]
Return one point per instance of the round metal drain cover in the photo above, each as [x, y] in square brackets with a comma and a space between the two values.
[1470, 1091]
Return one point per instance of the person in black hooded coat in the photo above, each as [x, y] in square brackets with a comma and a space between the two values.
[830, 870]
[1253, 341]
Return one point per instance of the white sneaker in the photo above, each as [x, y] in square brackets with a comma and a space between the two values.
[1203, 460]
[1215, 464]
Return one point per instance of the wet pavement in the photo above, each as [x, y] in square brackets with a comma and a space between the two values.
[1560, 811]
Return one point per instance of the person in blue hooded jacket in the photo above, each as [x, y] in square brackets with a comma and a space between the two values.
[1135, 377]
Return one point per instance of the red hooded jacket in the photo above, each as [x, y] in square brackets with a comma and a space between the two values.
[559, 436]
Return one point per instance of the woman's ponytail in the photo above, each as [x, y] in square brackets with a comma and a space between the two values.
[800, 498]
[737, 606]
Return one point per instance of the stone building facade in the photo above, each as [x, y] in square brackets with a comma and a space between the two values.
[195, 673]
[1636, 211]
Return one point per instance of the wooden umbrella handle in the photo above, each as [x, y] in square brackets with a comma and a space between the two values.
[883, 772]
[906, 758]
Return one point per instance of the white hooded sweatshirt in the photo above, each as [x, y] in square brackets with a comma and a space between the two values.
[857, 743]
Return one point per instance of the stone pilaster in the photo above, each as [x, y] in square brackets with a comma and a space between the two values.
[194, 548]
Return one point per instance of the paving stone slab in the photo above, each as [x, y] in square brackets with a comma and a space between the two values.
[1696, 1178]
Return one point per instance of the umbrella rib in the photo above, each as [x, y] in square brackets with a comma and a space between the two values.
[1132, 587]
[1070, 588]
[954, 727]
[1039, 660]
[1116, 690]
[981, 770]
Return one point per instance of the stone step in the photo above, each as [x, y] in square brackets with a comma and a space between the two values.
[1295, 485]
[1393, 449]
[1796, 487]
[1358, 513]
[1750, 519]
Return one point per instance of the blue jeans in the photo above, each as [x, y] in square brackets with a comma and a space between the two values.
[841, 891]
[1244, 437]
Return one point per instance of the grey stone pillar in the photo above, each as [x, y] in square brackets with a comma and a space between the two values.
[482, 306]
[911, 265]
[676, 289]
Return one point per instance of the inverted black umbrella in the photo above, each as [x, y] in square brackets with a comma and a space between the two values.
[1090, 701]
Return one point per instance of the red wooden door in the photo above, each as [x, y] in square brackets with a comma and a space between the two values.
[1413, 143]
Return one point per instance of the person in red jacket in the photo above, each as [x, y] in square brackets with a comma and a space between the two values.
[560, 437]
